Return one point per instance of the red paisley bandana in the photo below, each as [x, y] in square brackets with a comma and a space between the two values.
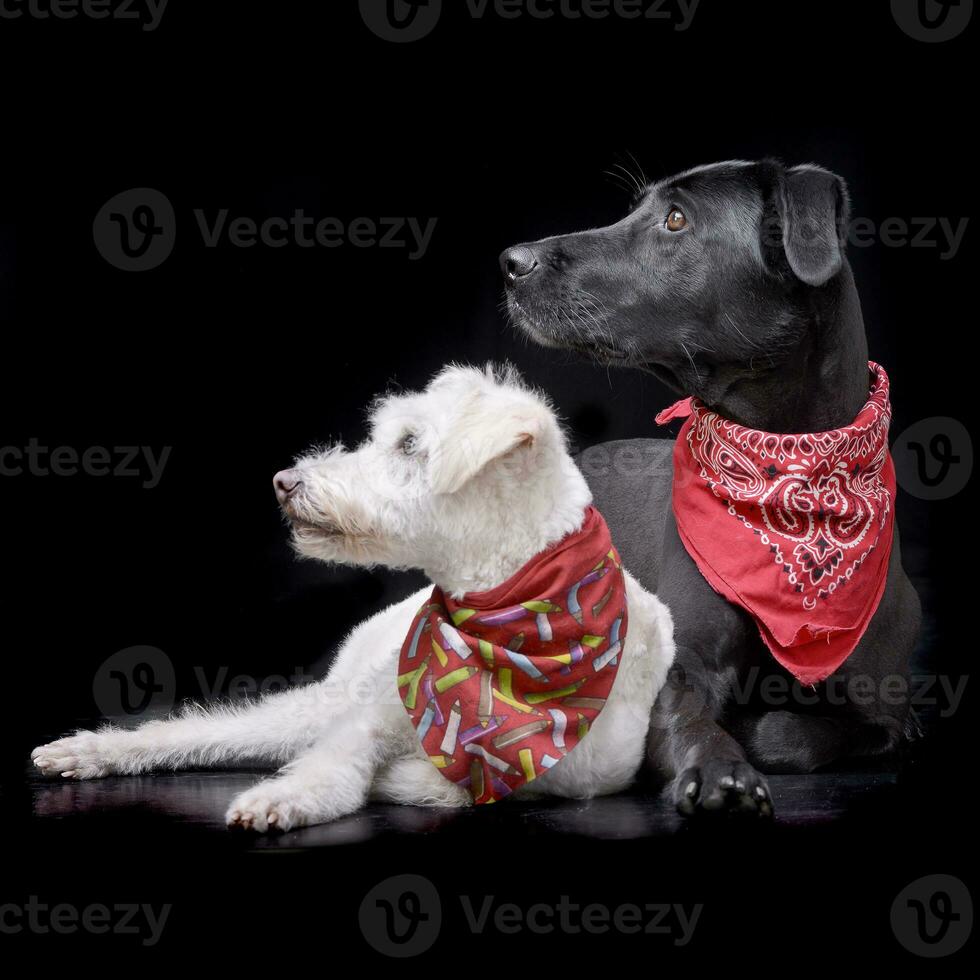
[503, 684]
[795, 529]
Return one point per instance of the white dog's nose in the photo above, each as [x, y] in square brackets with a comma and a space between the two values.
[286, 483]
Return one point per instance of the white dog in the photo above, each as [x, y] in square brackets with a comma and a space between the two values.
[467, 480]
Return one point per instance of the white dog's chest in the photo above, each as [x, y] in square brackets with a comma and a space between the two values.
[609, 757]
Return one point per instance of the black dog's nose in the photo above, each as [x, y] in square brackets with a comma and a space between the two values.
[286, 483]
[518, 262]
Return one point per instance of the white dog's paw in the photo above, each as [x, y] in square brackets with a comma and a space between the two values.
[83, 756]
[270, 805]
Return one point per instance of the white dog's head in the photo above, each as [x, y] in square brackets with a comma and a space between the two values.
[466, 480]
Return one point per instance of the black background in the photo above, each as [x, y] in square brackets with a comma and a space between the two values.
[240, 358]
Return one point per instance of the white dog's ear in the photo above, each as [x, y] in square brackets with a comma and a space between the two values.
[476, 439]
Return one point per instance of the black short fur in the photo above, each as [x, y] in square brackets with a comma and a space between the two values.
[752, 307]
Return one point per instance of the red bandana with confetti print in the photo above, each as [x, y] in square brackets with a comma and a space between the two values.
[502, 684]
[795, 529]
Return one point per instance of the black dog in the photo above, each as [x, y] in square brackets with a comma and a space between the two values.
[727, 282]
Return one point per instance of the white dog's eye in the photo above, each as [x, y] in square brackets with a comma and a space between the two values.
[406, 444]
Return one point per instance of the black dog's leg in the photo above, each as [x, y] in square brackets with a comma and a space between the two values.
[783, 741]
[707, 768]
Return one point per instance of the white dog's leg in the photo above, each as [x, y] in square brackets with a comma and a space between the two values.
[336, 777]
[328, 781]
[415, 781]
[270, 732]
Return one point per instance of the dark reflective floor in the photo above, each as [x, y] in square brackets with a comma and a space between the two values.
[841, 847]
[201, 798]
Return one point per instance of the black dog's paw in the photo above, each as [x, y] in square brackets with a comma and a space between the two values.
[722, 786]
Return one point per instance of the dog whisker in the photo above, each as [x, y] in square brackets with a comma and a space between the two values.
[633, 183]
[639, 169]
[709, 350]
[620, 181]
[690, 357]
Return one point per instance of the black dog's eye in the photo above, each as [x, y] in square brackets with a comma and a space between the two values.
[406, 444]
[676, 220]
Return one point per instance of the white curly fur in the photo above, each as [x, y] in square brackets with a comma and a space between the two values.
[467, 480]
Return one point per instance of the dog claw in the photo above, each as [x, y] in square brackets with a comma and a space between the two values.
[86, 755]
[260, 821]
[722, 786]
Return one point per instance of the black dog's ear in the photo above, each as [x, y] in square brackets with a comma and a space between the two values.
[814, 211]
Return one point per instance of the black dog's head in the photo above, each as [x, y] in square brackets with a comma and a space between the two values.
[712, 273]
